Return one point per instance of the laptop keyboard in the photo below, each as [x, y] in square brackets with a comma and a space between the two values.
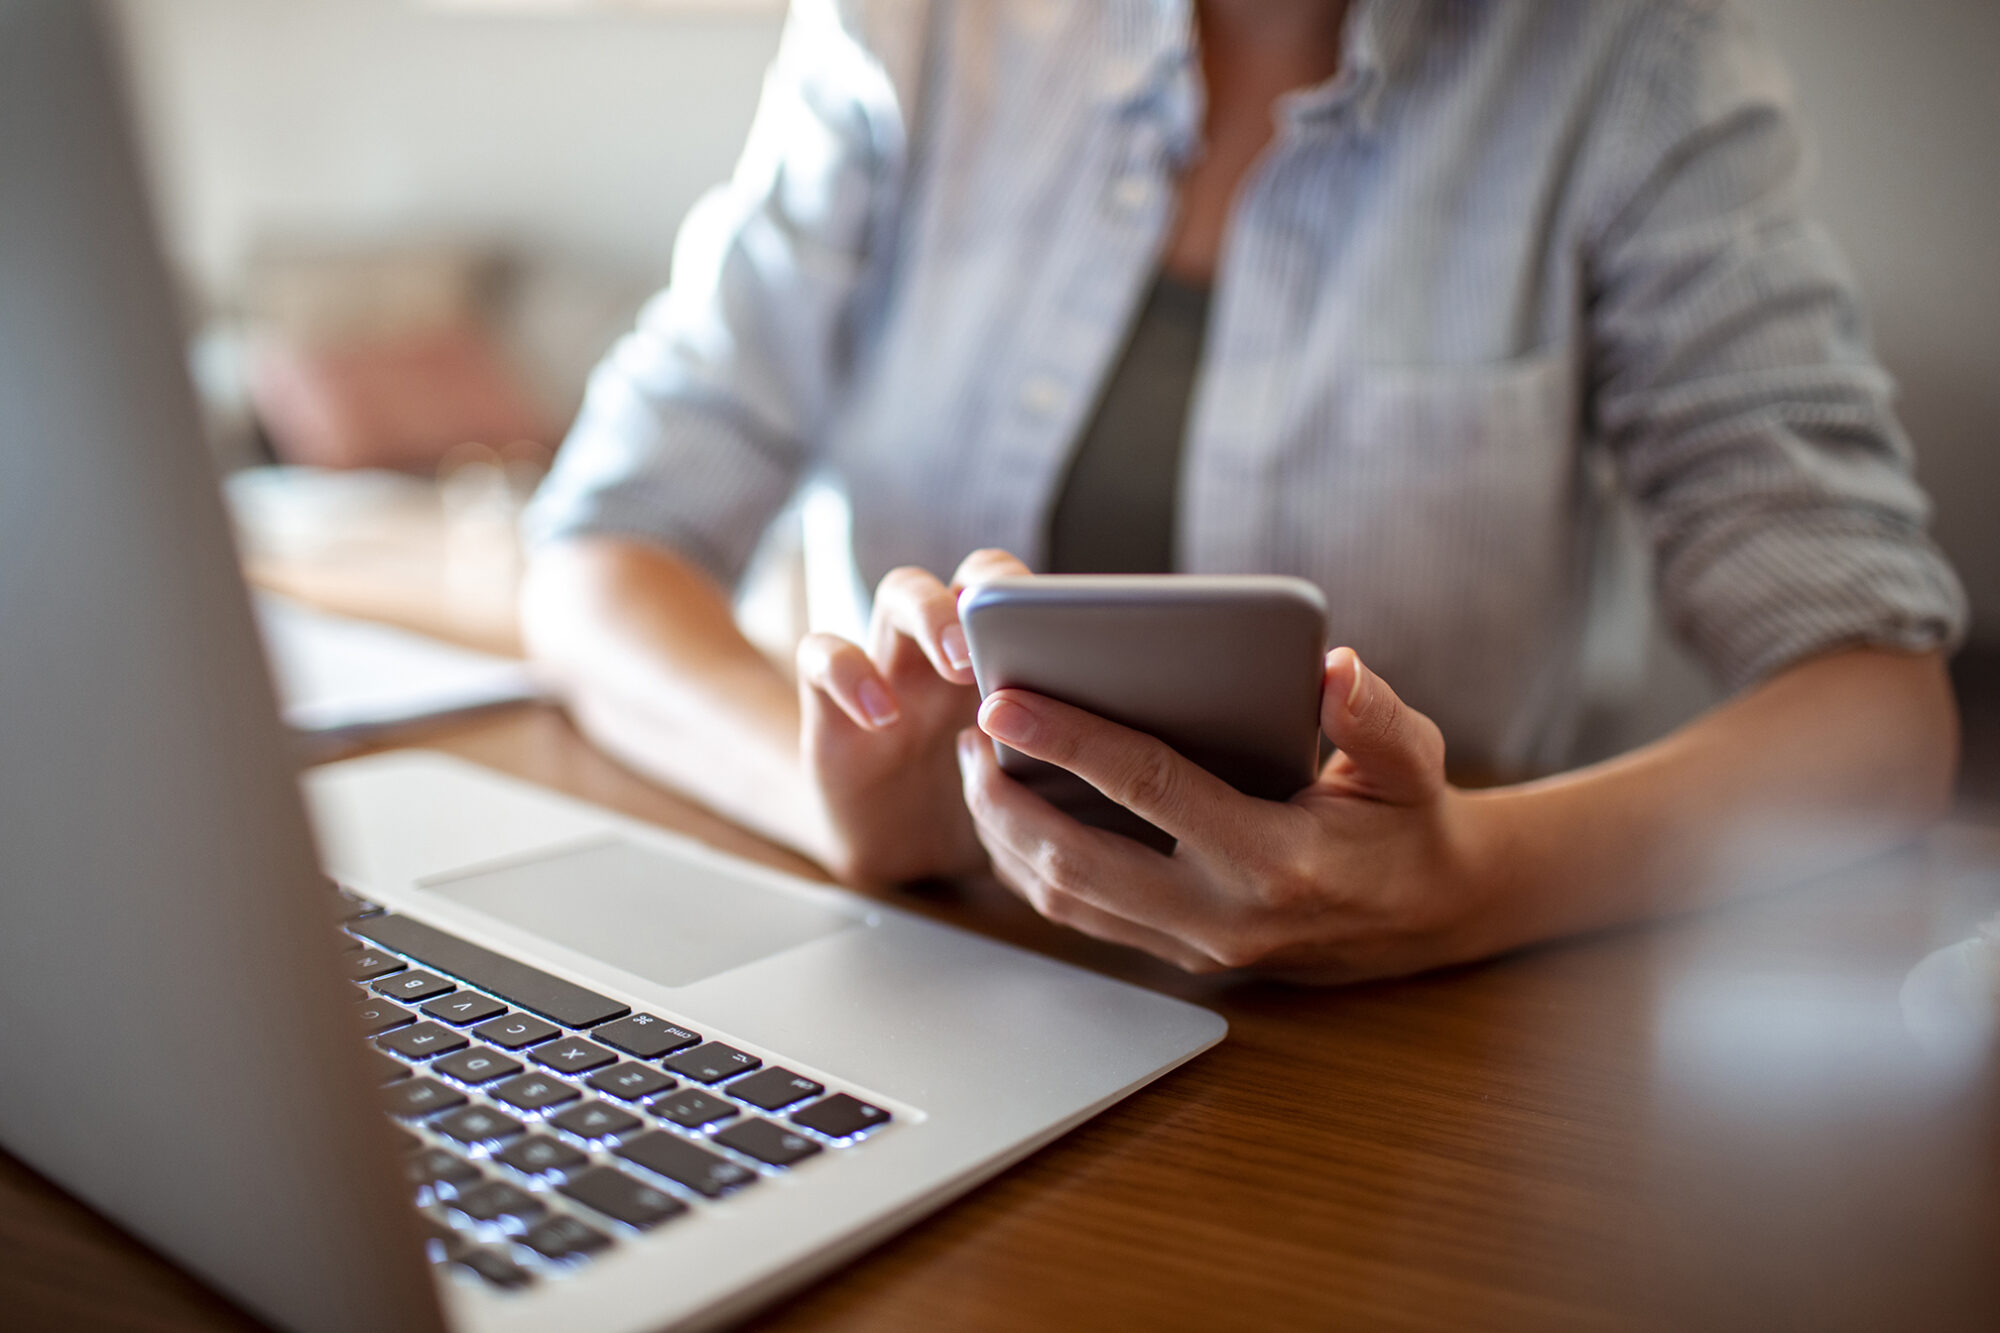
[544, 1124]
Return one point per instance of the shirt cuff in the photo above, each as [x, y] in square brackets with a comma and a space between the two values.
[686, 480]
[1780, 592]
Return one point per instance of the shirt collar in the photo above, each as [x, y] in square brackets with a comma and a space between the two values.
[1153, 57]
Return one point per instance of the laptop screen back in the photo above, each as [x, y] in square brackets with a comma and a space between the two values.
[177, 1045]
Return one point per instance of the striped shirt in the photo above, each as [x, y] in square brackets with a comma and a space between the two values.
[1519, 263]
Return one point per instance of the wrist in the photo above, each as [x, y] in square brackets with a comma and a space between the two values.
[1529, 850]
[1478, 855]
[811, 829]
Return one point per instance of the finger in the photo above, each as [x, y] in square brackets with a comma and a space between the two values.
[843, 673]
[982, 566]
[1388, 750]
[1068, 910]
[987, 563]
[1142, 774]
[1100, 869]
[911, 603]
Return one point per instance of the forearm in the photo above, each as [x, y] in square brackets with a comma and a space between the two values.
[647, 653]
[1832, 760]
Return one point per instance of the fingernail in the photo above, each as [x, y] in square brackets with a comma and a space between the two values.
[1003, 719]
[1354, 690]
[875, 702]
[968, 748]
[955, 651]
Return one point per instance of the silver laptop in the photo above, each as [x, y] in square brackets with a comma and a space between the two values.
[629, 1082]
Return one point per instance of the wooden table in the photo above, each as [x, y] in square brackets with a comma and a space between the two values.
[1716, 1123]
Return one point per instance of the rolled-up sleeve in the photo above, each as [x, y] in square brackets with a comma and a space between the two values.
[697, 426]
[1732, 376]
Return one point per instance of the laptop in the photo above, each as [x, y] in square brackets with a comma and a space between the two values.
[530, 1064]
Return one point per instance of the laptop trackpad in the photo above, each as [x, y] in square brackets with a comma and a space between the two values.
[654, 915]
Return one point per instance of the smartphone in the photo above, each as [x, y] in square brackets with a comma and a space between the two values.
[1226, 669]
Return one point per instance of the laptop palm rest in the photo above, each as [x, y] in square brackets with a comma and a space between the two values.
[671, 921]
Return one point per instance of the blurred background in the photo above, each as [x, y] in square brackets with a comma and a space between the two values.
[407, 228]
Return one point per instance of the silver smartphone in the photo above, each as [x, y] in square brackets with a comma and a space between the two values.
[1226, 669]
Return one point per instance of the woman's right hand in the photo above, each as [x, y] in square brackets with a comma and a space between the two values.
[878, 730]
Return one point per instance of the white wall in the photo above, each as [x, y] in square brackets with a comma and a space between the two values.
[583, 134]
[589, 135]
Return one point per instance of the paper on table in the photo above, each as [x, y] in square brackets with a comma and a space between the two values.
[335, 674]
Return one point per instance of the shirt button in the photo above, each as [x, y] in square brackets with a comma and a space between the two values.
[1041, 393]
[1132, 193]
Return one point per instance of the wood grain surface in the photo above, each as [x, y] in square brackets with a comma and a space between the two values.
[1715, 1123]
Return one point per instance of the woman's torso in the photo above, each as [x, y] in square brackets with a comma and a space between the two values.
[1390, 402]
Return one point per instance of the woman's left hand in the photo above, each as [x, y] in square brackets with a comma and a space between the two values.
[1370, 871]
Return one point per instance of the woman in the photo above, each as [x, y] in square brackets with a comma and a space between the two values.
[1441, 265]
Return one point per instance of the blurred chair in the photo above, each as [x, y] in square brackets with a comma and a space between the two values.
[385, 358]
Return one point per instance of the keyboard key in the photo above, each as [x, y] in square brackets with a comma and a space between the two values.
[572, 1055]
[711, 1062]
[386, 1070]
[370, 964]
[517, 1030]
[595, 1120]
[477, 1064]
[435, 1166]
[539, 1153]
[440, 1241]
[406, 1141]
[347, 907]
[618, 1196]
[630, 1082]
[565, 1238]
[462, 1007]
[767, 1142]
[672, 1156]
[496, 1268]
[841, 1115]
[379, 1016]
[477, 1124]
[526, 987]
[422, 1041]
[535, 1092]
[692, 1110]
[495, 1200]
[420, 1096]
[409, 987]
[774, 1089]
[645, 1036]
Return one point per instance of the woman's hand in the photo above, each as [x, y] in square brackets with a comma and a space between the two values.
[1367, 872]
[877, 729]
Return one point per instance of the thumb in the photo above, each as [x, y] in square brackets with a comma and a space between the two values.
[1388, 750]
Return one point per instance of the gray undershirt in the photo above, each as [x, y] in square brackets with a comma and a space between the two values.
[1115, 511]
